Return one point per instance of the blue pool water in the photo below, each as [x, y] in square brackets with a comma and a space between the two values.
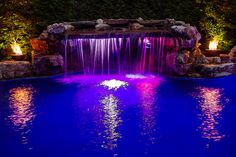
[146, 116]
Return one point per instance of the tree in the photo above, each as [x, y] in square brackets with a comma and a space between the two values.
[15, 26]
[51, 11]
[217, 23]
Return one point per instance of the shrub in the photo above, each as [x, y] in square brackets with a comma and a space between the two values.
[15, 28]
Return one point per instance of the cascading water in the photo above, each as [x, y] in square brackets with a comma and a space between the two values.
[115, 55]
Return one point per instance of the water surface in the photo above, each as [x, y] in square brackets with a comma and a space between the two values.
[79, 116]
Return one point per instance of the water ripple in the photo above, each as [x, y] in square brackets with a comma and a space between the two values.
[22, 110]
[211, 105]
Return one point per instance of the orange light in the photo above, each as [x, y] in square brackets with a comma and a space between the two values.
[21, 105]
[16, 49]
[213, 45]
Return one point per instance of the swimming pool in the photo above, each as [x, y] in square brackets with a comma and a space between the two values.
[118, 116]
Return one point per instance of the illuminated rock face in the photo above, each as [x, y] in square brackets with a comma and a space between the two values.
[124, 46]
[107, 46]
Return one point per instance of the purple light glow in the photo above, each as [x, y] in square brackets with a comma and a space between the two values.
[123, 80]
[116, 55]
[147, 91]
[105, 103]
[122, 54]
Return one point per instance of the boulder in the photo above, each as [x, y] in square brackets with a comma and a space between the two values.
[140, 19]
[136, 26]
[43, 35]
[117, 22]
[182, 57]
[169, 21]
[193, 33]
[102, 27]
[214, 70]
[225, 58]
[99, 21]
[194, 74]
[182, 69]
[214, 60]
[232, 53]
[179, 23]
[234, 69]
[233, 60]
[222, 74]
[15, 69]
[69, 27]
[180, 29]
[201, 59]
[178, 63]
[186, 31]
[48, 65]
[58, 28]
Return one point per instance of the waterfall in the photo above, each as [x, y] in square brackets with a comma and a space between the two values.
[118, 55]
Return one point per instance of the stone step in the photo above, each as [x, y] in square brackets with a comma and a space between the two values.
[213, 70]
[222, 74]
[15, 69]
[233, 59]
[224, 58]
[214, 60]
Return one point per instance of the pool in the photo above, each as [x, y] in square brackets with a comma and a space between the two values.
[118, 116]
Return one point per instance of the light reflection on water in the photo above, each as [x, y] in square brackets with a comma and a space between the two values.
[211, 104]
[22, 110]
[147, 92]
[111, 121]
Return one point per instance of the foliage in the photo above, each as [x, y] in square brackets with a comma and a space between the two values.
[52, 11]
[21, 19]
[147, 9]
[94, 9]
[15, 28]
[214, 23]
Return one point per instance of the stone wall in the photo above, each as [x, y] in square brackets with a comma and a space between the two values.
[43, 65]
[182, 57]
[48, 65]
[15, 69]
[181, 36]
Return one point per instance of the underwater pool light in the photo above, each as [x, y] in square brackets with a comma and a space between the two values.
[113, 84]
[147, 43]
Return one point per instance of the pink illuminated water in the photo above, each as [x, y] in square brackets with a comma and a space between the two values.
[116, 55]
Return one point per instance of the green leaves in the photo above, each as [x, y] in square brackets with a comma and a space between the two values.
[214, 23]
[15, 28]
